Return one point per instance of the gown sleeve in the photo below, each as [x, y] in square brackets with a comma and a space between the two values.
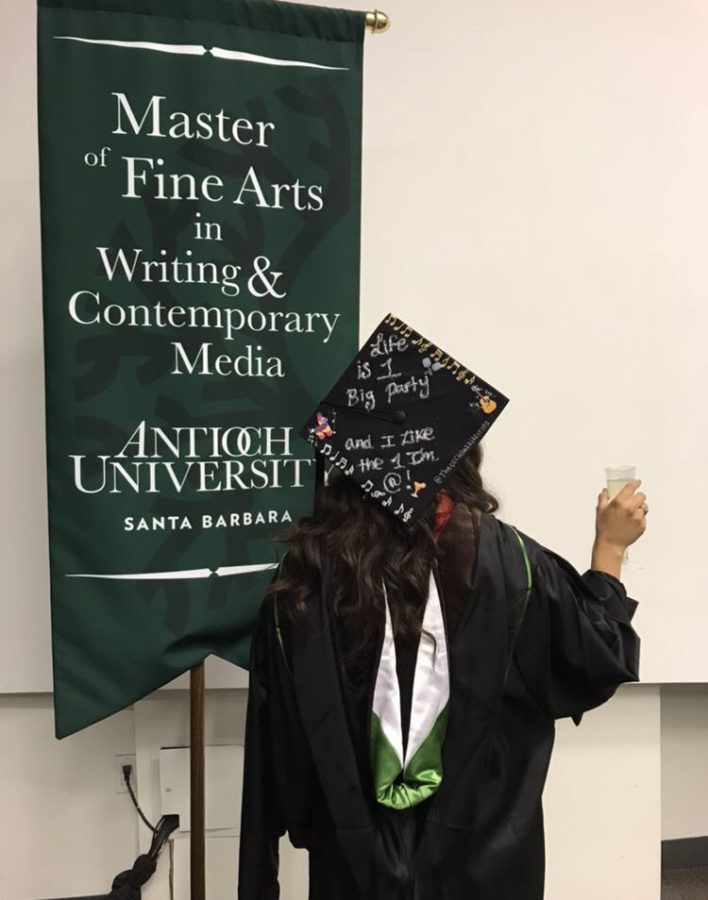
[261, 813]
[576, 644]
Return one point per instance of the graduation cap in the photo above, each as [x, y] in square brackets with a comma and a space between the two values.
[401, 418]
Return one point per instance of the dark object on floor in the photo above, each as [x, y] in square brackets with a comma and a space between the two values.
[684, 884]
[127, 885]
[684, 853]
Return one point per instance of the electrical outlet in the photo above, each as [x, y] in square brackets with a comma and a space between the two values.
[118, 763]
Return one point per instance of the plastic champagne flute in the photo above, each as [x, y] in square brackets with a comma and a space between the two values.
[617, 477]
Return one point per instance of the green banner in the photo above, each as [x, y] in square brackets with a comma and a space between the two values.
[200, 195]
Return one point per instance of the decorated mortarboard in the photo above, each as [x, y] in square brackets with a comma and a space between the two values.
[401, 418]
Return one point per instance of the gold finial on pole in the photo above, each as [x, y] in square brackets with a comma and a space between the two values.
[377, 22]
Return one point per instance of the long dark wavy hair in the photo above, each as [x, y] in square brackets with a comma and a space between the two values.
[365, 548]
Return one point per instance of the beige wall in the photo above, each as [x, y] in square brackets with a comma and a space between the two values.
[684, 761]
[64, 832]
[25, 663]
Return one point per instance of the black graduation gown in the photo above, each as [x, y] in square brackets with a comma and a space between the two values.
[515, 667]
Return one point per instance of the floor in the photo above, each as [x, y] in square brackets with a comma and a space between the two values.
[684, 884]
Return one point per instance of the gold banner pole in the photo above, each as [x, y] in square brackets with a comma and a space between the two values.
[377, 22]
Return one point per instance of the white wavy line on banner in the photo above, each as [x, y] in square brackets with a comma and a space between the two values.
[186, 49]
[199, 50]
[240, 570]
[180, 573]
[220, 53]
[148, 576]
